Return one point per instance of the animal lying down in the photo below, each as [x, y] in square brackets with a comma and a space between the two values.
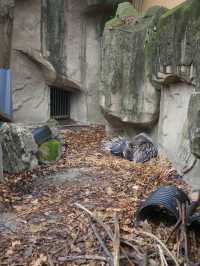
[140, 149]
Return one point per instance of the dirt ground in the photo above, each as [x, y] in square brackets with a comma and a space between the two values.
[41, 223]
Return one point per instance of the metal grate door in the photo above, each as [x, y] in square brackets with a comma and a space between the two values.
[59, 103]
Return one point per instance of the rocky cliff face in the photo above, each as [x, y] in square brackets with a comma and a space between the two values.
[57, 44]
[148, 67]
[53, 32]
[6, 25]
[150, 78]
[127, 93]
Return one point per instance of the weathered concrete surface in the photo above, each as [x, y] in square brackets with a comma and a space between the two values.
[177, 58]
[82, 59]
[173, 125]
[30, 92]
[19, 148]
[134, 72]
[6, 26]
[178, 40]
[194, 124]
[52, 77]
[125, 89]
[62, 41]
[192, 177]
[167, 53]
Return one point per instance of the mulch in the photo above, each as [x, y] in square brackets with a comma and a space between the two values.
[89, 221]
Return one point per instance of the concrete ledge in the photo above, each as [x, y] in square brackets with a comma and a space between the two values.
[51, 76]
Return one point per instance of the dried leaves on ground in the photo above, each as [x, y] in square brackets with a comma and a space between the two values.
[81, 210]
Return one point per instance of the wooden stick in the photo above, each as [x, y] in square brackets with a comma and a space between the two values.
[161, 244]
[50, 260]
[183, 242]
[126, 242]
[105, 249]
[162, 256]
[116, 242]
[176, 227]
[105, 226]
[127, 257]
[82, 257]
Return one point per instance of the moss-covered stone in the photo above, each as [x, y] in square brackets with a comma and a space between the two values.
[126, 9]
[114, 22]
[49, 151]
[175, 43]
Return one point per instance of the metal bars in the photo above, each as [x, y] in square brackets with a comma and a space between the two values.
[59, 103]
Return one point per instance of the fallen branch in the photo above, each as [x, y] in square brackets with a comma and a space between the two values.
[183, 239]
[127, 257]
[99, 221]
[106, 228]
[110, 235]
[162, 256]
[116, 242]
[161, 244]
[127, 243]
[82, 257]
[174, 230]
[103, 245]
[138, 256]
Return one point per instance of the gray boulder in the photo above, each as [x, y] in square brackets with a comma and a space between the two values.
[19, 148]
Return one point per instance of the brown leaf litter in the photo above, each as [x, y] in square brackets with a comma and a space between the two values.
[48, 225]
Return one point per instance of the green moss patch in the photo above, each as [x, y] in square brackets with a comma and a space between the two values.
[115, 22]
[49, 151]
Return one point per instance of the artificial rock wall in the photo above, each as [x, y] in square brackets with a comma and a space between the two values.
[6, 27]
[30, 92]
[150, 79]
[57, 43]
[148, 68]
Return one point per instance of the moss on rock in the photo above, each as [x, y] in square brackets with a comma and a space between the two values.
[126, 9]
[114, 22]
[125, 91]
[49, 151]
[175, 43]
